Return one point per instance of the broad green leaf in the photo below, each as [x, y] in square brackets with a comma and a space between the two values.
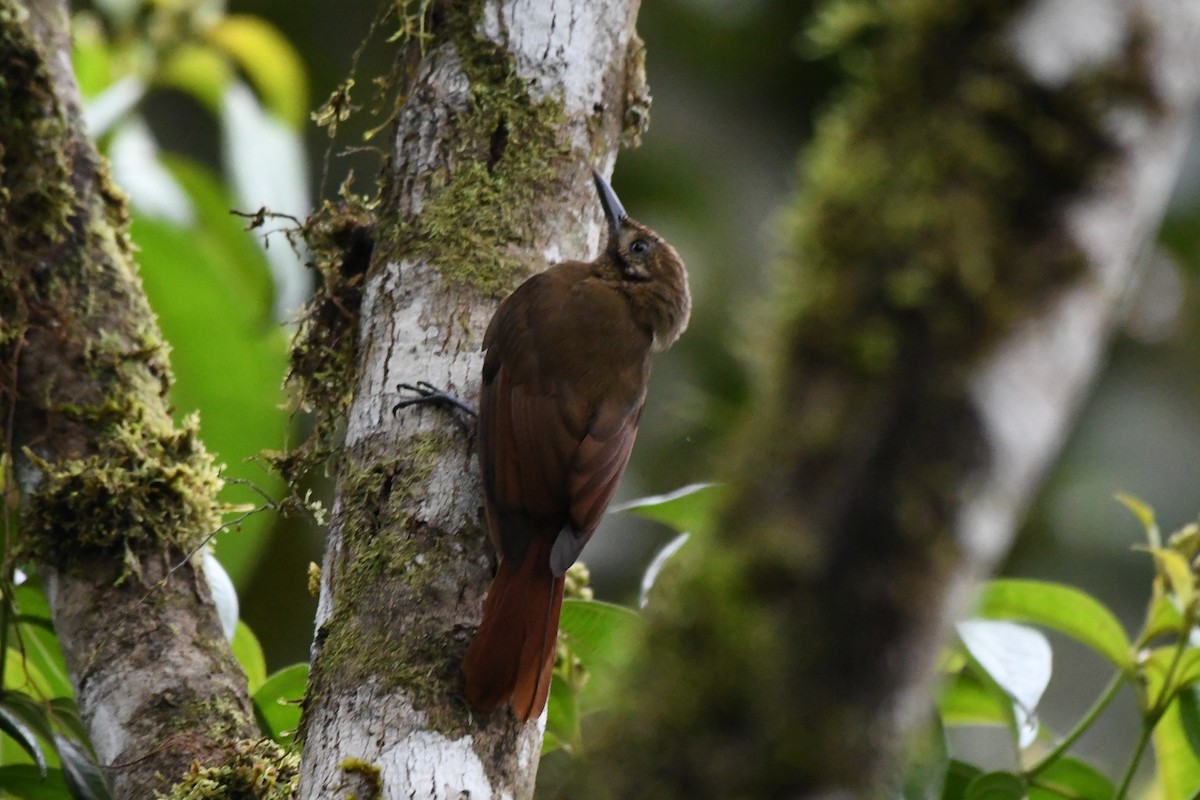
[996, 786]
[1157, 662]
[1061, 608]
[24, 781]
[600, 634]
[1178, 767]
[199, 70]
[1189, 716]
[23, 675]
[271, 63]
[562, 719]
[691, 508]
[1018, 659]
[1071, 779]
[249, 654]
[34, 636]
[212, 292]
[966, 700]
[13, 724]
[82, 775]
[277, 702]
[959, 775]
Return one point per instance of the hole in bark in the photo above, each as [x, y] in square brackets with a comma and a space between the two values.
[499, 143]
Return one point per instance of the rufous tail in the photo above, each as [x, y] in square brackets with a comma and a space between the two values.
[511, 657]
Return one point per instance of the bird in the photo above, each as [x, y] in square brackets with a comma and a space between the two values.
[565, 371]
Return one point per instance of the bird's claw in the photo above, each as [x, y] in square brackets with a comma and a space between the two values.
[428, 394]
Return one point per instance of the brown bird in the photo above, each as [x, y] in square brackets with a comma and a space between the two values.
[564, 381]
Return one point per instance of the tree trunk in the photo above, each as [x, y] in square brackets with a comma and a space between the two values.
[115, 496]
[973, 211]
[511, 105]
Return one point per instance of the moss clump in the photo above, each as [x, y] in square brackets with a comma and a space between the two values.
[507, 155]
[366, 775]
[257, 769]
[146, 483]
[324, 352]
[928, 181]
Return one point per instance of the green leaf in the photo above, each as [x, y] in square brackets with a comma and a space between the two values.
[967, 700]
[1145, 515]
[665, 554]
[13, 724]
[36, 638]
[271, 63]
[1178, 573]
[1162, 619]
[212, 291]
[23, 675]
[1071, 779]
[1189, 716]
[1061, 608]
[1178, 766]
[277, 702]
[959, 775]
[691, 508]
[996, 786]
[600, 634]
[90, 55]
[66, 716]
[25, 782]
[562, 719]
[82, 775]
[1157, 662]
[249, 654]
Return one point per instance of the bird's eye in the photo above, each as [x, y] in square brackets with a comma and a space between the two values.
[639, 246]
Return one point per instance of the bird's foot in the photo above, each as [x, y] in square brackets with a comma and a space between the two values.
[428, 394]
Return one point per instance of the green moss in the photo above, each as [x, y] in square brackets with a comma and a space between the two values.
[921, 195]
[257, 769]
[324, 352]
[368, 775]
[506, 155]
[146, 484]
[391, 563]
[36, 196]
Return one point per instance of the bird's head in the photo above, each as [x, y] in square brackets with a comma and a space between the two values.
[648, 265]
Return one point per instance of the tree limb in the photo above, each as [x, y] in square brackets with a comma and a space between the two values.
[511, 104]
[115, 496]
[972, 213]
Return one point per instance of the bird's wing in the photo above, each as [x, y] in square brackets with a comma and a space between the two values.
[555, 433]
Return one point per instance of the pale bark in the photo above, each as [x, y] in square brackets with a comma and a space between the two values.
[114, 494]
[407, 521]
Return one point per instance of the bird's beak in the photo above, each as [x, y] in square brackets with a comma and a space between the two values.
[613, 210]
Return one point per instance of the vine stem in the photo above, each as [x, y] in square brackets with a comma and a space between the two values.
[1102, 702]
[1143, 740]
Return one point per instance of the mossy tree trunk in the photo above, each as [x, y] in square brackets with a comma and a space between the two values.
[972, 213]
[115, 496]
[511, 105]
